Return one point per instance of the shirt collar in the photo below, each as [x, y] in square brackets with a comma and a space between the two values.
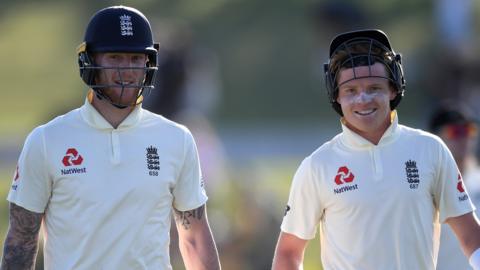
[352, 139]
[95, 119]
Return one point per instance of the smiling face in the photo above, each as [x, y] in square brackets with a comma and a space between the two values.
[364, 95]
[123, 76]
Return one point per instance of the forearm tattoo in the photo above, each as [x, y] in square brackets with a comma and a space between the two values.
[21, 243]
[184, 218]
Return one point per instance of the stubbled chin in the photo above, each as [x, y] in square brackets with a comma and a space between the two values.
[123, 101]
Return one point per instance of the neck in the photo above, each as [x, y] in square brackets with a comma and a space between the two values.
[112, 114]
[373, 137]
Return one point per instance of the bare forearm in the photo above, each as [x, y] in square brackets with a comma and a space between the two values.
[196, 240]
[200, 256]
[21, 244]
[286, 263]
[467, 229]
[289, 252]
[470, 244]
[19, 254]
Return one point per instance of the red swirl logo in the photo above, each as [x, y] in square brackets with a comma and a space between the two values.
[460, 185]
[17, 175]
[72, 158]
[344, 175]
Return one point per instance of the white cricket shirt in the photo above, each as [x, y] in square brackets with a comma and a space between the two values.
[378, 206]
[450, 254]
[107, 193]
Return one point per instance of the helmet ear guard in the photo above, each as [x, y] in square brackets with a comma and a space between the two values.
[372, 40]
[85, 63]
[152, 65]
[399, 80]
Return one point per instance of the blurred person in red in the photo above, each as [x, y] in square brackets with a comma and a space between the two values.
[455, 125]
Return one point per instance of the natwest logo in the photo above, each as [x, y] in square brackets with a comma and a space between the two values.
[460, 186]
[344, 177]
[72, 158]
[461, 189]
[17, 175]
[15, 178]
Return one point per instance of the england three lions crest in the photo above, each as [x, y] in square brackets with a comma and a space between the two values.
[153, 161]
[413, 177]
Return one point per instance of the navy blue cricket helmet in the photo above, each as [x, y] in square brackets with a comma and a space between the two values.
[362, 48]
[117, 29]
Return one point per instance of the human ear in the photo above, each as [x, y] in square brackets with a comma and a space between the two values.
[393, 93]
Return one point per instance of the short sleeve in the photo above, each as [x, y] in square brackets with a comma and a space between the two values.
[189, 192]
[31, 186]
[450, 195]
[304, 208]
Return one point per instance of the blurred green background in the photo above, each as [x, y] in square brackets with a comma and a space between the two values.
[254, 95]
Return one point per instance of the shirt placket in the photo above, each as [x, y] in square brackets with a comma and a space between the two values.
[377, 163]
[115, 140]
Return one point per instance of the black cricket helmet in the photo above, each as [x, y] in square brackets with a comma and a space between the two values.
[118, 29]
[362, 48]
